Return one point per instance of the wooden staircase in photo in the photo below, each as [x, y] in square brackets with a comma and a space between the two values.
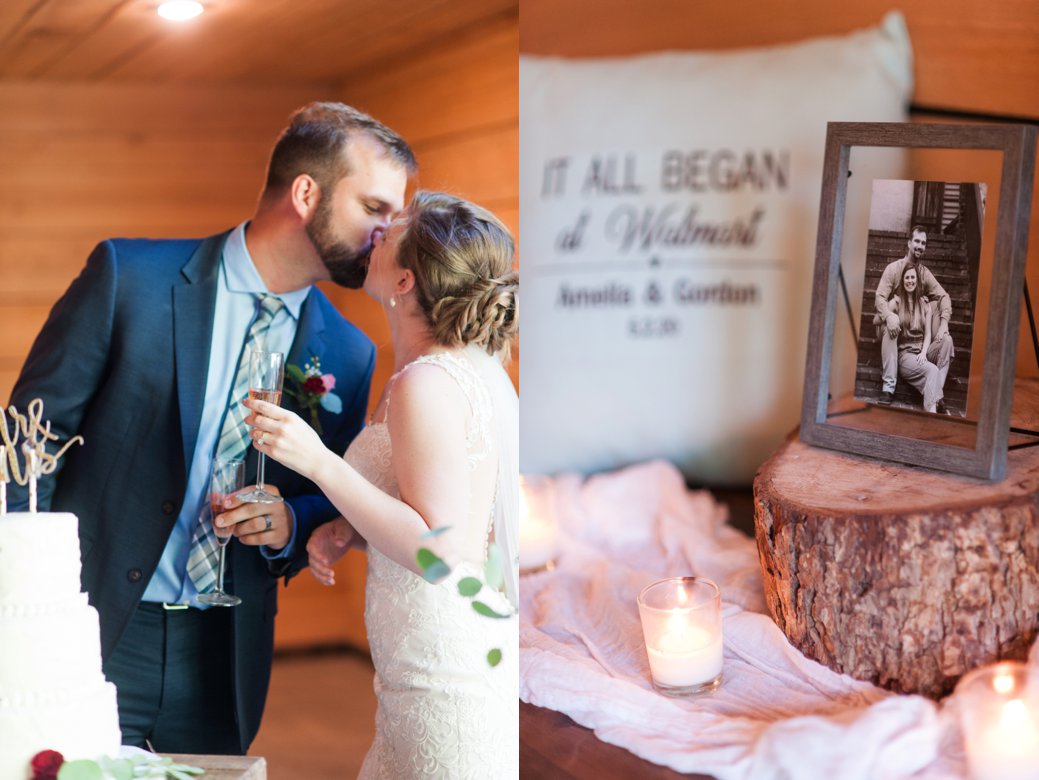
[946, 258]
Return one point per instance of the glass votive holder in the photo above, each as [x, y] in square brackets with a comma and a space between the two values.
[682, 626]
[538, 532]
[999, 715]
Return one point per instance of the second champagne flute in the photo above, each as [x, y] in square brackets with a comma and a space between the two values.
[227, 478]
[266, 374]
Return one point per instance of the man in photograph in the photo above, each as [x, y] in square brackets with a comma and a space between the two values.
[940, 349]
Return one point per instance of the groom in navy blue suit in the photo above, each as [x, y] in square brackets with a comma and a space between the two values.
[139, 356]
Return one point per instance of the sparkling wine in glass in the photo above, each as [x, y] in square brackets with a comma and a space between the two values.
[228, 476]
[266, 374]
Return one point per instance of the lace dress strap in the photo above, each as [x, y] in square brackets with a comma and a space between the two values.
[478, 435]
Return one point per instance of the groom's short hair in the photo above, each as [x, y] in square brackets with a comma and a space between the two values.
[315, 139]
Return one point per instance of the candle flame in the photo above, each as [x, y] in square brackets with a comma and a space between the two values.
[676, 623]
[682, 596]
[524, 506]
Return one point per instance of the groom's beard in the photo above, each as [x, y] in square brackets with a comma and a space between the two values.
[346, 265]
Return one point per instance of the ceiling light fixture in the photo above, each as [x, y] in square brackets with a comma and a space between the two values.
[180, 10]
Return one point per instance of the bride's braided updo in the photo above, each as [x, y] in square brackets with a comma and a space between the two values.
[461, 256]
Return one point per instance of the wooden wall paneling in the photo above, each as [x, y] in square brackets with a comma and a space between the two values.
[46, 31]
[12, 16]
[389, 37]
[118, 38]
[333, 38]
[467, 83]
[19, 324]
[35, 267]
[82, 163]
[482, 168]
[968, 56]
[138, 112]
[227, 41]
[976, 167]
[157, 186]
[313, 615]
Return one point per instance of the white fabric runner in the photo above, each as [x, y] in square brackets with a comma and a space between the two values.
[776, 715]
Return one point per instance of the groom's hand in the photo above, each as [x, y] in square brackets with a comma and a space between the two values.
[328, 544]
[256, 524]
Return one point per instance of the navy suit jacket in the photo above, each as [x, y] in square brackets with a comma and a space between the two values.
[122, 360]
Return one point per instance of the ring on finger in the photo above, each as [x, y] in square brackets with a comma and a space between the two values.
[262, 440]
[267, 524]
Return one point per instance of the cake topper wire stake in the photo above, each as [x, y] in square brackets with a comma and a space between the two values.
[31, 468]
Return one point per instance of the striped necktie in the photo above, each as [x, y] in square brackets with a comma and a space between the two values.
[233, 443]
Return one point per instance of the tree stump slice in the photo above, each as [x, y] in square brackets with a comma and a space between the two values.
[897, 575]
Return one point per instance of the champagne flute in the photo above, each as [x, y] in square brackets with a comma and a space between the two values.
[228, 477]
[266, 374]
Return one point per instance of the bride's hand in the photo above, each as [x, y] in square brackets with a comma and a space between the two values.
[284, 436]
[327, 545]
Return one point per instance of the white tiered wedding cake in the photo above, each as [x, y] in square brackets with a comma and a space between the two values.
[52, 692]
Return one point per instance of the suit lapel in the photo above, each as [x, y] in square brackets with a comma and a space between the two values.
[309, 342]
[194, 306]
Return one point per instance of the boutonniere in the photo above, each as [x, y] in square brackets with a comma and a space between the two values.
[312, 389]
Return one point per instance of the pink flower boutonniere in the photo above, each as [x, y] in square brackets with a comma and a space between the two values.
[312, 390]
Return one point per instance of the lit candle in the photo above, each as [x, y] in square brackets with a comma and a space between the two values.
[1000, 718]
[681, 624]
[3, 479]
[686, 657]
[538, 536]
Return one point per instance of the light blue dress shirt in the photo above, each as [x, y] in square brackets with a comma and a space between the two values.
[237, 288]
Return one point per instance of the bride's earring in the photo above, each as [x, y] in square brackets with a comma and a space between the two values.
[393, 301]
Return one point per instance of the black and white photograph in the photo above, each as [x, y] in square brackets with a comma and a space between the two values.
[920, 295]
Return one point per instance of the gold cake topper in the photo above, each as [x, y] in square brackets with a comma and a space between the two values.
[35, 433]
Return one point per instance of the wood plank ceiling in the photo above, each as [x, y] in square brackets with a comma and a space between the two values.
[264, 41]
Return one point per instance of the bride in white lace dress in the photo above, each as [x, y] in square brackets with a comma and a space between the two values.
[440, 452]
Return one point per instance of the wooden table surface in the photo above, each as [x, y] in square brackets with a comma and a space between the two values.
[554, 747]
[225, 767]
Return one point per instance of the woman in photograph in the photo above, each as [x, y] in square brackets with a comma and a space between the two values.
[914, 337]
[437, 467]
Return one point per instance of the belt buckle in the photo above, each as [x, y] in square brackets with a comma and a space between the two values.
[173, 607]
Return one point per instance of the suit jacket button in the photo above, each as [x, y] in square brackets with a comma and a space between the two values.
[168, 507]
[134, 575]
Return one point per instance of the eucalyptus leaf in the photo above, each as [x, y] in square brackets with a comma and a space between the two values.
[331, 402]
[295, 373]
[80, 770]
[426, 558]
[486, 611]
[432, 533]
[469, 586]
[494, 657]
[118, 768]
[493, 571]
[179, 774]
[436, 572]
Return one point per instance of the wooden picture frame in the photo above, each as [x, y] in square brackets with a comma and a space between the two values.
[987, 459]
